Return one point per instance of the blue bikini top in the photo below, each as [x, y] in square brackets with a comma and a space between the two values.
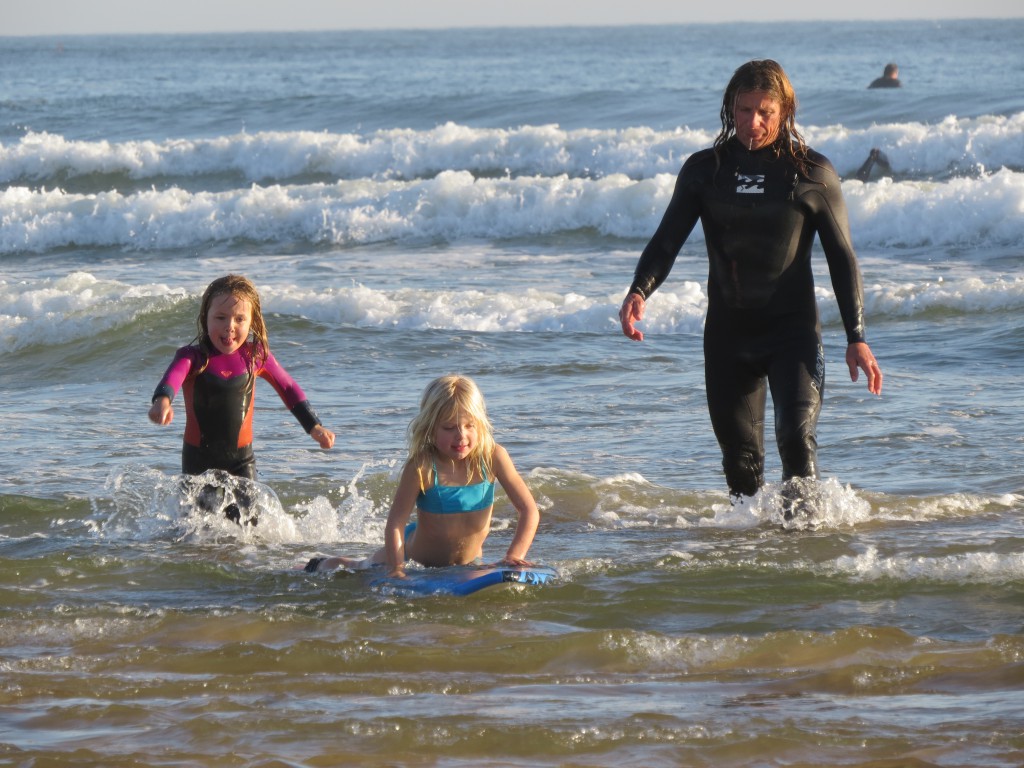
[455, 499]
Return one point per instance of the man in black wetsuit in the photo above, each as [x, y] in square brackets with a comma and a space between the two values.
[761, 195]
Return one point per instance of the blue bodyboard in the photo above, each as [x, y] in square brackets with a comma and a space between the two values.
[464, 579]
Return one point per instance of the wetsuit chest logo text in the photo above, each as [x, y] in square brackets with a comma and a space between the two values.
[749, 184]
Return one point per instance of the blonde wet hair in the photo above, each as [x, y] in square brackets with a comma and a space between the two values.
[242, 288]
[768, 76]
[451, 397]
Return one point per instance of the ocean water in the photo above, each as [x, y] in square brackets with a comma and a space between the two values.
[418, 203]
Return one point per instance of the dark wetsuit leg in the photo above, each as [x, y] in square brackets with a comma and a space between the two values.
[736, 395]
[797, 380]
[738, 370]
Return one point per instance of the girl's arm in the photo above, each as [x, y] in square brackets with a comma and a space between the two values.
[161, 412]
[529, 517]
[292, 395]
[398, 516]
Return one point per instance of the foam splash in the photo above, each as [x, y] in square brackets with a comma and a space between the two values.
[142, 503]
[800, 504]
[145, 503]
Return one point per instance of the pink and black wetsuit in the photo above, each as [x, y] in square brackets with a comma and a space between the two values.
[219, 405]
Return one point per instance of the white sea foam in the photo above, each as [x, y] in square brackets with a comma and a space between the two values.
[55, 311]
[966, 567]
[983, 212]
[48, 312]
[960, 183]
[953, 144]
[964, 144]
[392, 153]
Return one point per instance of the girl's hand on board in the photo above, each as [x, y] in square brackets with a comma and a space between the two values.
[515, 562]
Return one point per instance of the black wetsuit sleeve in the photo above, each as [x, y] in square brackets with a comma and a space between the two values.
[682, 214]
[162, 390]
[306, 415]
[828, 208]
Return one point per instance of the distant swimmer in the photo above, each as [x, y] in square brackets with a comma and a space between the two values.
[876, 158]
[890, 78]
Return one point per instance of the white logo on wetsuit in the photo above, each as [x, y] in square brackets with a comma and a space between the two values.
[749, 185]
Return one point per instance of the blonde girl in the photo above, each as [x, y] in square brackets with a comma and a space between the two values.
[449, 478]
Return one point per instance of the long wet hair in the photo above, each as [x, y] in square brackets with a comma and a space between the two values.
[242, 288]
[765, 75]
[446, 398]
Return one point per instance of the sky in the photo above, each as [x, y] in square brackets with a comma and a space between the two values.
[71, 17]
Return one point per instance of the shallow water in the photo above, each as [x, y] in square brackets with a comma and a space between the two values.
[412, 204]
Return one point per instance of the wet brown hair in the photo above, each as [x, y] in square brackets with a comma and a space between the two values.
[768, 76]
[242, 288]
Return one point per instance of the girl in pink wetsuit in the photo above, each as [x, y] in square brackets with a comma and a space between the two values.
[217, 375]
